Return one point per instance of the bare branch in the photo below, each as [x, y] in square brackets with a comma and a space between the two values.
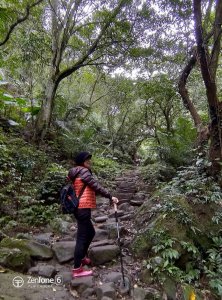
[55, 13]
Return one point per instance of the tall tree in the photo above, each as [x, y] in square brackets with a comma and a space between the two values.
[203, 132]
[209, 52]
[84, 32]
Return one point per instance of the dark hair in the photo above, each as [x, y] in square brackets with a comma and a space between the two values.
[82, 157]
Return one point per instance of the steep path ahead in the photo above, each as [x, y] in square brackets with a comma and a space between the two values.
[104, 252]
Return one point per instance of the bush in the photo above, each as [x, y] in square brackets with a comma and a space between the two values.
[177, 148]
[105, 167]
[51, 184]
[39, 214]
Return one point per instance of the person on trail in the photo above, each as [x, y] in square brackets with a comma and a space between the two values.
[81, 176]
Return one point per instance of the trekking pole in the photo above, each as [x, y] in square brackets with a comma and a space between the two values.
[118, 236]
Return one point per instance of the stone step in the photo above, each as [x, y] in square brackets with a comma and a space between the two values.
[126, 186]
[136, 202]
[44, 270]
[102, 243]
[124, 196]
[64, 251]
[122, 201]
[140, 196]
[103, 254]
[119, 213]
[101, 219]
[127, 217]
[100, 234]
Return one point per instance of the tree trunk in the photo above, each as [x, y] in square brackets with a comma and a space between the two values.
[215, 151]
[208, 70]
[45, 114]
[60, 39]
[203, 132]
[184, 92]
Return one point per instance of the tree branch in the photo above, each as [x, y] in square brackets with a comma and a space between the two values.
[184, 92]
[18, 21]
[93, 47]
[202, 53]
[217, 39]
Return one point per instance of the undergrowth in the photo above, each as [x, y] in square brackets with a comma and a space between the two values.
[194, 200]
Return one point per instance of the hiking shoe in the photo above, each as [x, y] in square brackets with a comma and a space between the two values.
[80, 272]
[86, 261]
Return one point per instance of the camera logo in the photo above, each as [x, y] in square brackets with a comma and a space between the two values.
[33, 281]
[18, 281]
[58, 280]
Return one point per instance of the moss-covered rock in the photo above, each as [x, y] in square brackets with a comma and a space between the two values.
[15, 259]
[60, 225]
[176, 217]
[178, 224]
[30, 247]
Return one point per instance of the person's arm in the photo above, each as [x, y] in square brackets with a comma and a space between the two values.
[87, 178]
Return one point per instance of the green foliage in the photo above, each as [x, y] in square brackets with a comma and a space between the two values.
[156, 172]
[181, 219]
[213, 265]
[176, 148]
[164, 264]
[22, 167]
[39, 214]
[53, 180]
[16, 107]
[82, 137]
[4, 221]
[105, 167]
[25, 158]
[196, 185]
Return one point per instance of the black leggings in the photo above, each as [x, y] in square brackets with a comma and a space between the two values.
[85, 234]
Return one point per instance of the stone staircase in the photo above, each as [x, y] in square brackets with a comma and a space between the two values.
[130, 188]
[104, 251]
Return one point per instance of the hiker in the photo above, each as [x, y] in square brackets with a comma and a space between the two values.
[82, 175]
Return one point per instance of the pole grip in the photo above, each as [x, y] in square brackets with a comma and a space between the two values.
[115, 206]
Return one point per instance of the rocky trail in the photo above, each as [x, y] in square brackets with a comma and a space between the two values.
[50, 277]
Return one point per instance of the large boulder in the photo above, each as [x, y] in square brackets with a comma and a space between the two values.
[106, 290]
[15, 259]
[103, 254]
[43, 270]
[82, 283]
[59, 225]
[64, 251]
[32, 248]
[173, 229]
[177, 219]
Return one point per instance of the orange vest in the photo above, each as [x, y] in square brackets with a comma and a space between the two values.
[88, 198]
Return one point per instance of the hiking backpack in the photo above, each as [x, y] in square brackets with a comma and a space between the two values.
[68, 199]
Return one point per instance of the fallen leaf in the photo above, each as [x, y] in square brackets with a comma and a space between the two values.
[74, 293]
[192, 296]
[2, 270]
